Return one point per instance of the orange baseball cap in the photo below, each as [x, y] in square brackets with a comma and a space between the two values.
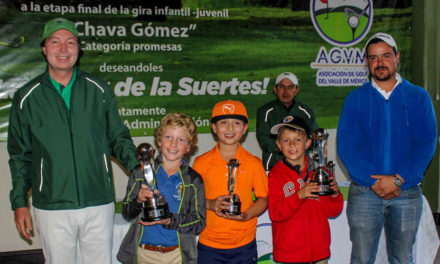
[229, 109]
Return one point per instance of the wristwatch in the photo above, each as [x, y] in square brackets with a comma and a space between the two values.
[397, 181]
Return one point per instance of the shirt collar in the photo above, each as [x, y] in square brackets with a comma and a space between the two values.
[297, 168]
[383, 92]
[240, 154]
[58, 85]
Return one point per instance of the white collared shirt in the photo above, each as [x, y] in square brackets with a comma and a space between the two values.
[383, 92]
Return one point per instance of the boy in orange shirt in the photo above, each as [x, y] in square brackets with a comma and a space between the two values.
[300, 229]
[230, 238]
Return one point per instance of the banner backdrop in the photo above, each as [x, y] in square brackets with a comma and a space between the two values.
[166, 56]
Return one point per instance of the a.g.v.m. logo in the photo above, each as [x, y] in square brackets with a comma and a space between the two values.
[342, 22]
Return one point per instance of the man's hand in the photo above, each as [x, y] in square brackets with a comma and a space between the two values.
[23, 222]
[384, 186]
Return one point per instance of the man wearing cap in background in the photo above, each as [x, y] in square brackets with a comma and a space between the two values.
[386, 138]
[286, 89]
[64, 125]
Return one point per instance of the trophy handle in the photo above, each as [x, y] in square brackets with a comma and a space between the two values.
[234, 200]
[149, 175]
[323, 174]
[232, 168]
[145, 155]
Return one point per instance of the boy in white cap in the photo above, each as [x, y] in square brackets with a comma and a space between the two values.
[64, 126]
[286, 89]
[386, 138]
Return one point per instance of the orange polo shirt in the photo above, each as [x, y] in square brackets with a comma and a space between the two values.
[251, 177]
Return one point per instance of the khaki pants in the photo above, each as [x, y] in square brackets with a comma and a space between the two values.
[153, 257]
[88, 229]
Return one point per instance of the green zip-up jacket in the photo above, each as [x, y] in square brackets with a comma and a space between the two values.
[64, 155]
[271, 114]
[189, 221]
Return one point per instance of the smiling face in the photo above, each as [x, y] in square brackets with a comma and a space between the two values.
[293, 144]
[174, 143]
[229, 131]
[61, 51]
[382, 61]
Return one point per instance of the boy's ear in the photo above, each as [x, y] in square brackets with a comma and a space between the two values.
[308, 143]
[278, 144]
[214, 128]
[187, 149]
[246, 126]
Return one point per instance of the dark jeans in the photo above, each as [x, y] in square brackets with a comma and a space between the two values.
[246, 254]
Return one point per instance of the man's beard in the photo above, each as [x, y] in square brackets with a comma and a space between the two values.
[384, 77]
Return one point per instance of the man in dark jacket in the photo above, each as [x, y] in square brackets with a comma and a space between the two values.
[64, 126]
[286, 89]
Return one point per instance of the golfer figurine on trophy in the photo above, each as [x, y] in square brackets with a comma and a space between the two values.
[155, 208]
[235, 204]
[322, 174]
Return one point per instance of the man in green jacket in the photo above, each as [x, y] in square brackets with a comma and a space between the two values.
[64, 126]
[286, 89]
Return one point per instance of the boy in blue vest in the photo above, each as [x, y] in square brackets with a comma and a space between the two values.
[171, 240]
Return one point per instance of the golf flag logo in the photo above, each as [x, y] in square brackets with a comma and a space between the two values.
[342, 22]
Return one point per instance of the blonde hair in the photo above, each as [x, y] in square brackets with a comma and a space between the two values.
[177, 120]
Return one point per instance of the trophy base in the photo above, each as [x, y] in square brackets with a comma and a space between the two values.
[152, 214]
[231, 213]
[324, 193]
[234, 207]
[324, 189]
[157, 218]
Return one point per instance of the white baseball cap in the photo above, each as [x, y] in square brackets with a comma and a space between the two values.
[384, 37]
[287, 75]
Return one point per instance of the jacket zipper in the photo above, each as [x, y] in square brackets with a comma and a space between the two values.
[69, 121]
[387, 142]
[178, 212]
[183, 191]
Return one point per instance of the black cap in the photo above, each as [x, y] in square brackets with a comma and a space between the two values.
[293, 122]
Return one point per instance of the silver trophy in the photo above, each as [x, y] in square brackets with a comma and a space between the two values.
[155, 208]
[235, 204]
[322, 174]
